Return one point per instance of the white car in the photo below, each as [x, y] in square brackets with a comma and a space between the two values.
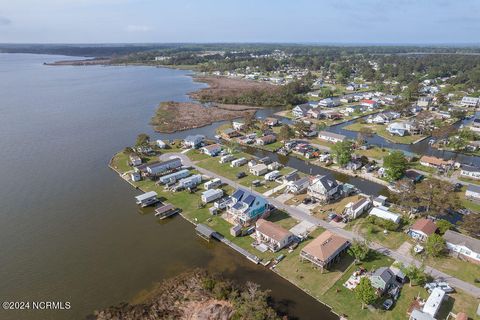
[418, 249]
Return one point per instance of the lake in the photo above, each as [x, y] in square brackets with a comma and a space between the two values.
[70, 230]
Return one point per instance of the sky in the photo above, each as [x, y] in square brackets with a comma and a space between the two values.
[298, 21]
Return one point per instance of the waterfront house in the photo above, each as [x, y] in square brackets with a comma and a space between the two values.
[473, 192]
[470, 101]
[328, 103]
[434, 162]
[323, 188]
[301, 110]
[354, 209]
[383, 213]
[193, 141]
[402, 128]
[356, 108]
[370, 104]
[135, 176]
[211, 195]
[259, 169]
[190, 182]
[174, 177]
[147, 199]
[244, 207]
[325, 250]
[422, 229]
[212, 149]
[238, 125]
[268, 139]
[158, 168]
[272, 235]
[462, 246]
[470, 172]
[230, 133]
[315, 114]
[271, 122]
[331, 137]
[135, 160]
[382, 279]
[298, 186]
[161, 144]
[379, 201]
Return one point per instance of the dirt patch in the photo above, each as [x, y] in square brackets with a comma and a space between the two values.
[178, 116]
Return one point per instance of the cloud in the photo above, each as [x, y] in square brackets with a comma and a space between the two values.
[4, 21]
[137, 28]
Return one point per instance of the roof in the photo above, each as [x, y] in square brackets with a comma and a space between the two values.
[434, 301]
[420, 315]
[325, 245]
[360, 203]
[473, 188]
[470, 168]
[332, 135]
[368, 101]
[326, 182]
[462, 240]
[413, 175]
[433, 160]
[424, 225]
[146, 195]
[158, 164]
[212, 192]
[166, 207]
[385, 214]
[212, 147]
[272, 230]
[259, 167]
[384, 273]
[301, 181]
[269, 137]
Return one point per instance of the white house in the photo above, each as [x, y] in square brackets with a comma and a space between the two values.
[212, 184]
[272, 175]
[473, 192]
[238, 125]
[331, 137]
[424, 101]
[161, 144]
[272, 235]
[193, 141]
[323, 188]
[211, 195]
[470, 172]
[383, 213]
[328, 103]
[161, 167]
[212, 149]
[301, 110]
[354, 209]
[463, 246]
[470, 101]
[259, 169]
[238, 162]
[379, 201]
[298, 186]
[135, 160]
[401, 128]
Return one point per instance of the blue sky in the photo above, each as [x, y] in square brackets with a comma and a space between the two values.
[335, 21]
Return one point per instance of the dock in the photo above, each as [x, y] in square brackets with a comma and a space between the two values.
[207, 233]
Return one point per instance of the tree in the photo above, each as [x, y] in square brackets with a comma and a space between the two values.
[301, 127]
[437, 196]
[395, 165]
[359, 250]
[343, 152]
[471, 223]
[365, 292]
[142, 139]
[249, 122]
[435, 245]
[363, 134]
[443, 225]
[286, 132]
[415, 274]
[441, 100]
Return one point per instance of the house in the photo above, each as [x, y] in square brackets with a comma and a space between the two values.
[324, 250]
[298, 186]
[379, 118]
[245, 207]
[135, 160]
[413, 176]
[238, 125]
[214, 183]
[356, 108]
[473, 192]
[271, 176]
[354, 209]
[370, 104]
[430, 161]
[422, 229]
[434, 302]
[323, 188]
[470, 101]
[238, 162]
[390, 99]
[272, 235]
[424, 102]
[230, 133]
[271, 121]
[328, 103]
[301, 110]
[331, 137]
[346, 99]
[211, 195]
[354, 164]
[193, 141]
[147, 199]
[161, 144]
[174, 177]
[315, 114]
[212, 150]
[259, 169]
[402, 128]
[383, 213]
[470, 172]
[382, 279]
[135, 176]
[463, 246]
[379, 201]
[158, 168]
[415, 109]
[190, 182]
[262, 141]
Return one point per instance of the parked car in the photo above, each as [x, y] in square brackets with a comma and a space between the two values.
[441, 285]
[337, 218]
[418, 249]
[331, 215]
[241, 175]
[387, 304]
[307, 200]
[394, 292]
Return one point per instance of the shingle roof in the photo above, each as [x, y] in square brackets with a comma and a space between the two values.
[272, 230]
[426, 226]
[385, 273]
[325, 245]
[463, 240]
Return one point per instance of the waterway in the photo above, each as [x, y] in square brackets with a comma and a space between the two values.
[69, 228]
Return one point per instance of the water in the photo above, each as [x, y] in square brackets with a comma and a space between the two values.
[70, 230]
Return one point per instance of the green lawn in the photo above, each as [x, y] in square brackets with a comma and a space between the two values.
[371, 232]
[468, 204]
[381, 130]
[463, 270]
[469, 180]
[374, 153]
[417, 165]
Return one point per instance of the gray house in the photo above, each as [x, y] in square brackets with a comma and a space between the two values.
[382, 278]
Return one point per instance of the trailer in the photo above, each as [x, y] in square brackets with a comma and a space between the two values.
[227, 158]
[147, 199]
[238, 163]
[212, 184]
[211, 195]
[174, 177]
[189, 182]
[272, 175]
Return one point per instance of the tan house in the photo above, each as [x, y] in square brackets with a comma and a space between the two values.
[324, 250]
[272, 235]
[434, 162]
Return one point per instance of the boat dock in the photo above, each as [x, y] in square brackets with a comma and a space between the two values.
[207, 233]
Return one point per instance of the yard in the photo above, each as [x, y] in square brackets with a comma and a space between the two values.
[374, 153]
[463, 270]
[467, 203]
[381, 130]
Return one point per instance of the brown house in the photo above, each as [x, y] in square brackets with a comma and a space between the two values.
[324, 250]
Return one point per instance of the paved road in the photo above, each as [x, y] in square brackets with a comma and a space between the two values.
[301, 215]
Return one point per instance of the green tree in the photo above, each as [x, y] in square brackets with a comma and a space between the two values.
[415, 274]
[471, 223]
[359, 250]
[443, 225]
[365, 292]
[435, 245]
[301, 127]
[343, 152]
[142, 139]
[286, 132]
[395, 165]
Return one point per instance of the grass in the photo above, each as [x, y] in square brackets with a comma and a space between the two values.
[469, 180]
[463, 270]
[417, 165]
[381, 130]
[283, 219]
[374, 153]
[197, 155]
[467, 203]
